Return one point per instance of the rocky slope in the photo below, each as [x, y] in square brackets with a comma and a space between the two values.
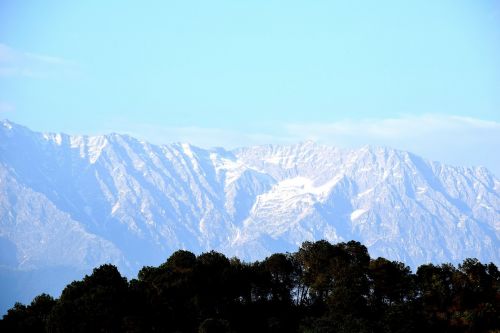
[78, 201]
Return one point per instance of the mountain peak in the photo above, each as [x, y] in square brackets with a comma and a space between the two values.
[135, 194]
[7, 123]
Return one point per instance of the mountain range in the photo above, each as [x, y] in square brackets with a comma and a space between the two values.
[69, 203]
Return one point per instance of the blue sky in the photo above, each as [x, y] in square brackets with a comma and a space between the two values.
[416, 75]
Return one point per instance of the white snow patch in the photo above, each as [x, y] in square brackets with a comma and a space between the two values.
[75, 141]
[58, 139]
[96, 145]
[187, 150]
[7, 125]
[273, 160]
[486, 206]
[299, 187]
[362, 194]
[357, 213]
[421, 190]
[115, 207]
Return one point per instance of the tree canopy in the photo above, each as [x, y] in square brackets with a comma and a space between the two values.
[322, 287]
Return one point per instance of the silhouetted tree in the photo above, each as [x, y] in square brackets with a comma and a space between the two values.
[95, 304]
[322, 287]
[31, 318]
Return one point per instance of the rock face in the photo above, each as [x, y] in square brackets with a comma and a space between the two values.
[79, 201]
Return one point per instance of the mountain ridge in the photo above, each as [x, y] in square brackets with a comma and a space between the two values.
[237, 188]
[139, 201]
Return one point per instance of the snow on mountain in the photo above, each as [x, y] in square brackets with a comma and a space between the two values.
[83, 200]
[399, 205]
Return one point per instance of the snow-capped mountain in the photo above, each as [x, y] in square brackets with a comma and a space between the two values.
[79, 201]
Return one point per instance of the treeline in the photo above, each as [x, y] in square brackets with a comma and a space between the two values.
[320, 288]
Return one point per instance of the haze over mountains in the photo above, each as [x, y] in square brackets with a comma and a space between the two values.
[78, 201]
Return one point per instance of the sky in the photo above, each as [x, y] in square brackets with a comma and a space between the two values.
[418, 75]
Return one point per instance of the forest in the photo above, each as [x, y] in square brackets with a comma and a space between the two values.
[322, 287]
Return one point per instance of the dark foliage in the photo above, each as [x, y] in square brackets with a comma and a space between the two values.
[322, 287]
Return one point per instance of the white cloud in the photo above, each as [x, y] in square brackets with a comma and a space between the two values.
[392, 130]
[451, 139]
[16, 63]
[6, 107]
